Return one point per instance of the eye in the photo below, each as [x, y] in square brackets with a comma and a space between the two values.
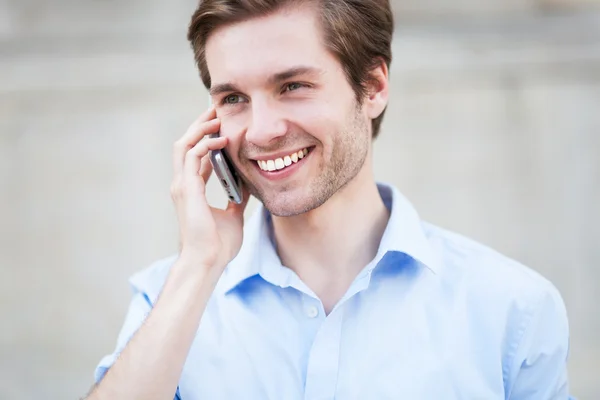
[232, 99]
[290, 87]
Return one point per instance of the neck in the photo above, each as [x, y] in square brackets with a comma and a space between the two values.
[328, 246]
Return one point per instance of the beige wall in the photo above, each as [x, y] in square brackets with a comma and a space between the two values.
[493, 131]
[441, 9]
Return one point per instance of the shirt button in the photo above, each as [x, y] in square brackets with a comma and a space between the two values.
[312, 312]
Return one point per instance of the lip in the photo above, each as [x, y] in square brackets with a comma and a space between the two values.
[282, 173]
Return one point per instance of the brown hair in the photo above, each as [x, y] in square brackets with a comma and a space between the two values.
[357, 32]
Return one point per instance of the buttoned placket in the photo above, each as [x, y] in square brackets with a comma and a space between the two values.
[324, 356]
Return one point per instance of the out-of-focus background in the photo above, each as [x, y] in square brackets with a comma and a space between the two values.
[493, 131]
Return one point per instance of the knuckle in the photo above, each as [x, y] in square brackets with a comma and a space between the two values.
[176, 189]
[181, 145]
[199, 150]
[178, 145]
[178, 149]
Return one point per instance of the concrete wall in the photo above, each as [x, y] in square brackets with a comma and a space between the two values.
[493, 131]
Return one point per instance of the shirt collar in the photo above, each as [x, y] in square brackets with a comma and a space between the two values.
[404, 232]
[257, 256]
[257, 251]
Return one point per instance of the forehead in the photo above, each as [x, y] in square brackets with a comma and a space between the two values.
[251, 50]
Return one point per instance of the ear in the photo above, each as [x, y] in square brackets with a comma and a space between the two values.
[377, 90]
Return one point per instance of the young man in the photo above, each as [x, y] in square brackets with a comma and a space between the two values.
[335, 289]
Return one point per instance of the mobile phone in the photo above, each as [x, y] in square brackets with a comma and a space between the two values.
[228, 177]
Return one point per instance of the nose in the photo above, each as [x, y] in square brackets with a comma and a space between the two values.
[266, 123]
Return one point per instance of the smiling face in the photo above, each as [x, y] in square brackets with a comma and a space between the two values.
[280, 94]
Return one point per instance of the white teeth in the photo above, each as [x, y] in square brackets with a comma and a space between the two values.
[281, 163]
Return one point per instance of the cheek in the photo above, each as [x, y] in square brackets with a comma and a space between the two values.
[232, 126]
[232, 129]
[318, 119]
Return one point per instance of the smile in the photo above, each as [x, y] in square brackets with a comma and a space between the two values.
[282, 162]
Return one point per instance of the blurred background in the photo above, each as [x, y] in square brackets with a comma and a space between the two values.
[493, 131]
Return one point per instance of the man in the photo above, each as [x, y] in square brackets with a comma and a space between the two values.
[335, 289]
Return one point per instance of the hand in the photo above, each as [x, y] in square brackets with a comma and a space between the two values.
[211, 237]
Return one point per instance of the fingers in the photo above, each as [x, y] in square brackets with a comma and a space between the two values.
[196, 168]
[206, 169]
[194, 158]
[205, 124]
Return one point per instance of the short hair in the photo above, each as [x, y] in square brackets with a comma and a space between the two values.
[357, 32]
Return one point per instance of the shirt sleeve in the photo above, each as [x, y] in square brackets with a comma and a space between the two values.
[139, 308]
[540, 362]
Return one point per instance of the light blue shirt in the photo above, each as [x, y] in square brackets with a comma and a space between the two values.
[433, 316]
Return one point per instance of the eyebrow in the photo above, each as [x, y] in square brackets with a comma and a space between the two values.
[294, 72]
[274, 79]
[222, 88]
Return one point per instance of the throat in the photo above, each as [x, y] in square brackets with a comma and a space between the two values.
[331, 291]
[329, 246]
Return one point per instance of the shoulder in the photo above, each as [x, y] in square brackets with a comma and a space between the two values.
[480, 264]
[496, 289]
[509, 309]
[150, 280]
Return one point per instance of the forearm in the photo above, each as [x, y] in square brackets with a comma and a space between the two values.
[150, 365]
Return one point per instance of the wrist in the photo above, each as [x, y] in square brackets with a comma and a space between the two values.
[192, 268]
[194, 260]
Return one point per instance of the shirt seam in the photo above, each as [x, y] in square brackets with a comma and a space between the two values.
[518, 343]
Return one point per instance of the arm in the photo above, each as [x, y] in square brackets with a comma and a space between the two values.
[540, 362]
[151, 363]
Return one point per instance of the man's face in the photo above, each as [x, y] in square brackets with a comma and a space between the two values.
[278, 91]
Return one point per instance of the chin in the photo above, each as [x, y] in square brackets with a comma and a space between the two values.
[283, 206]
[296, 198]
[289, 204]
